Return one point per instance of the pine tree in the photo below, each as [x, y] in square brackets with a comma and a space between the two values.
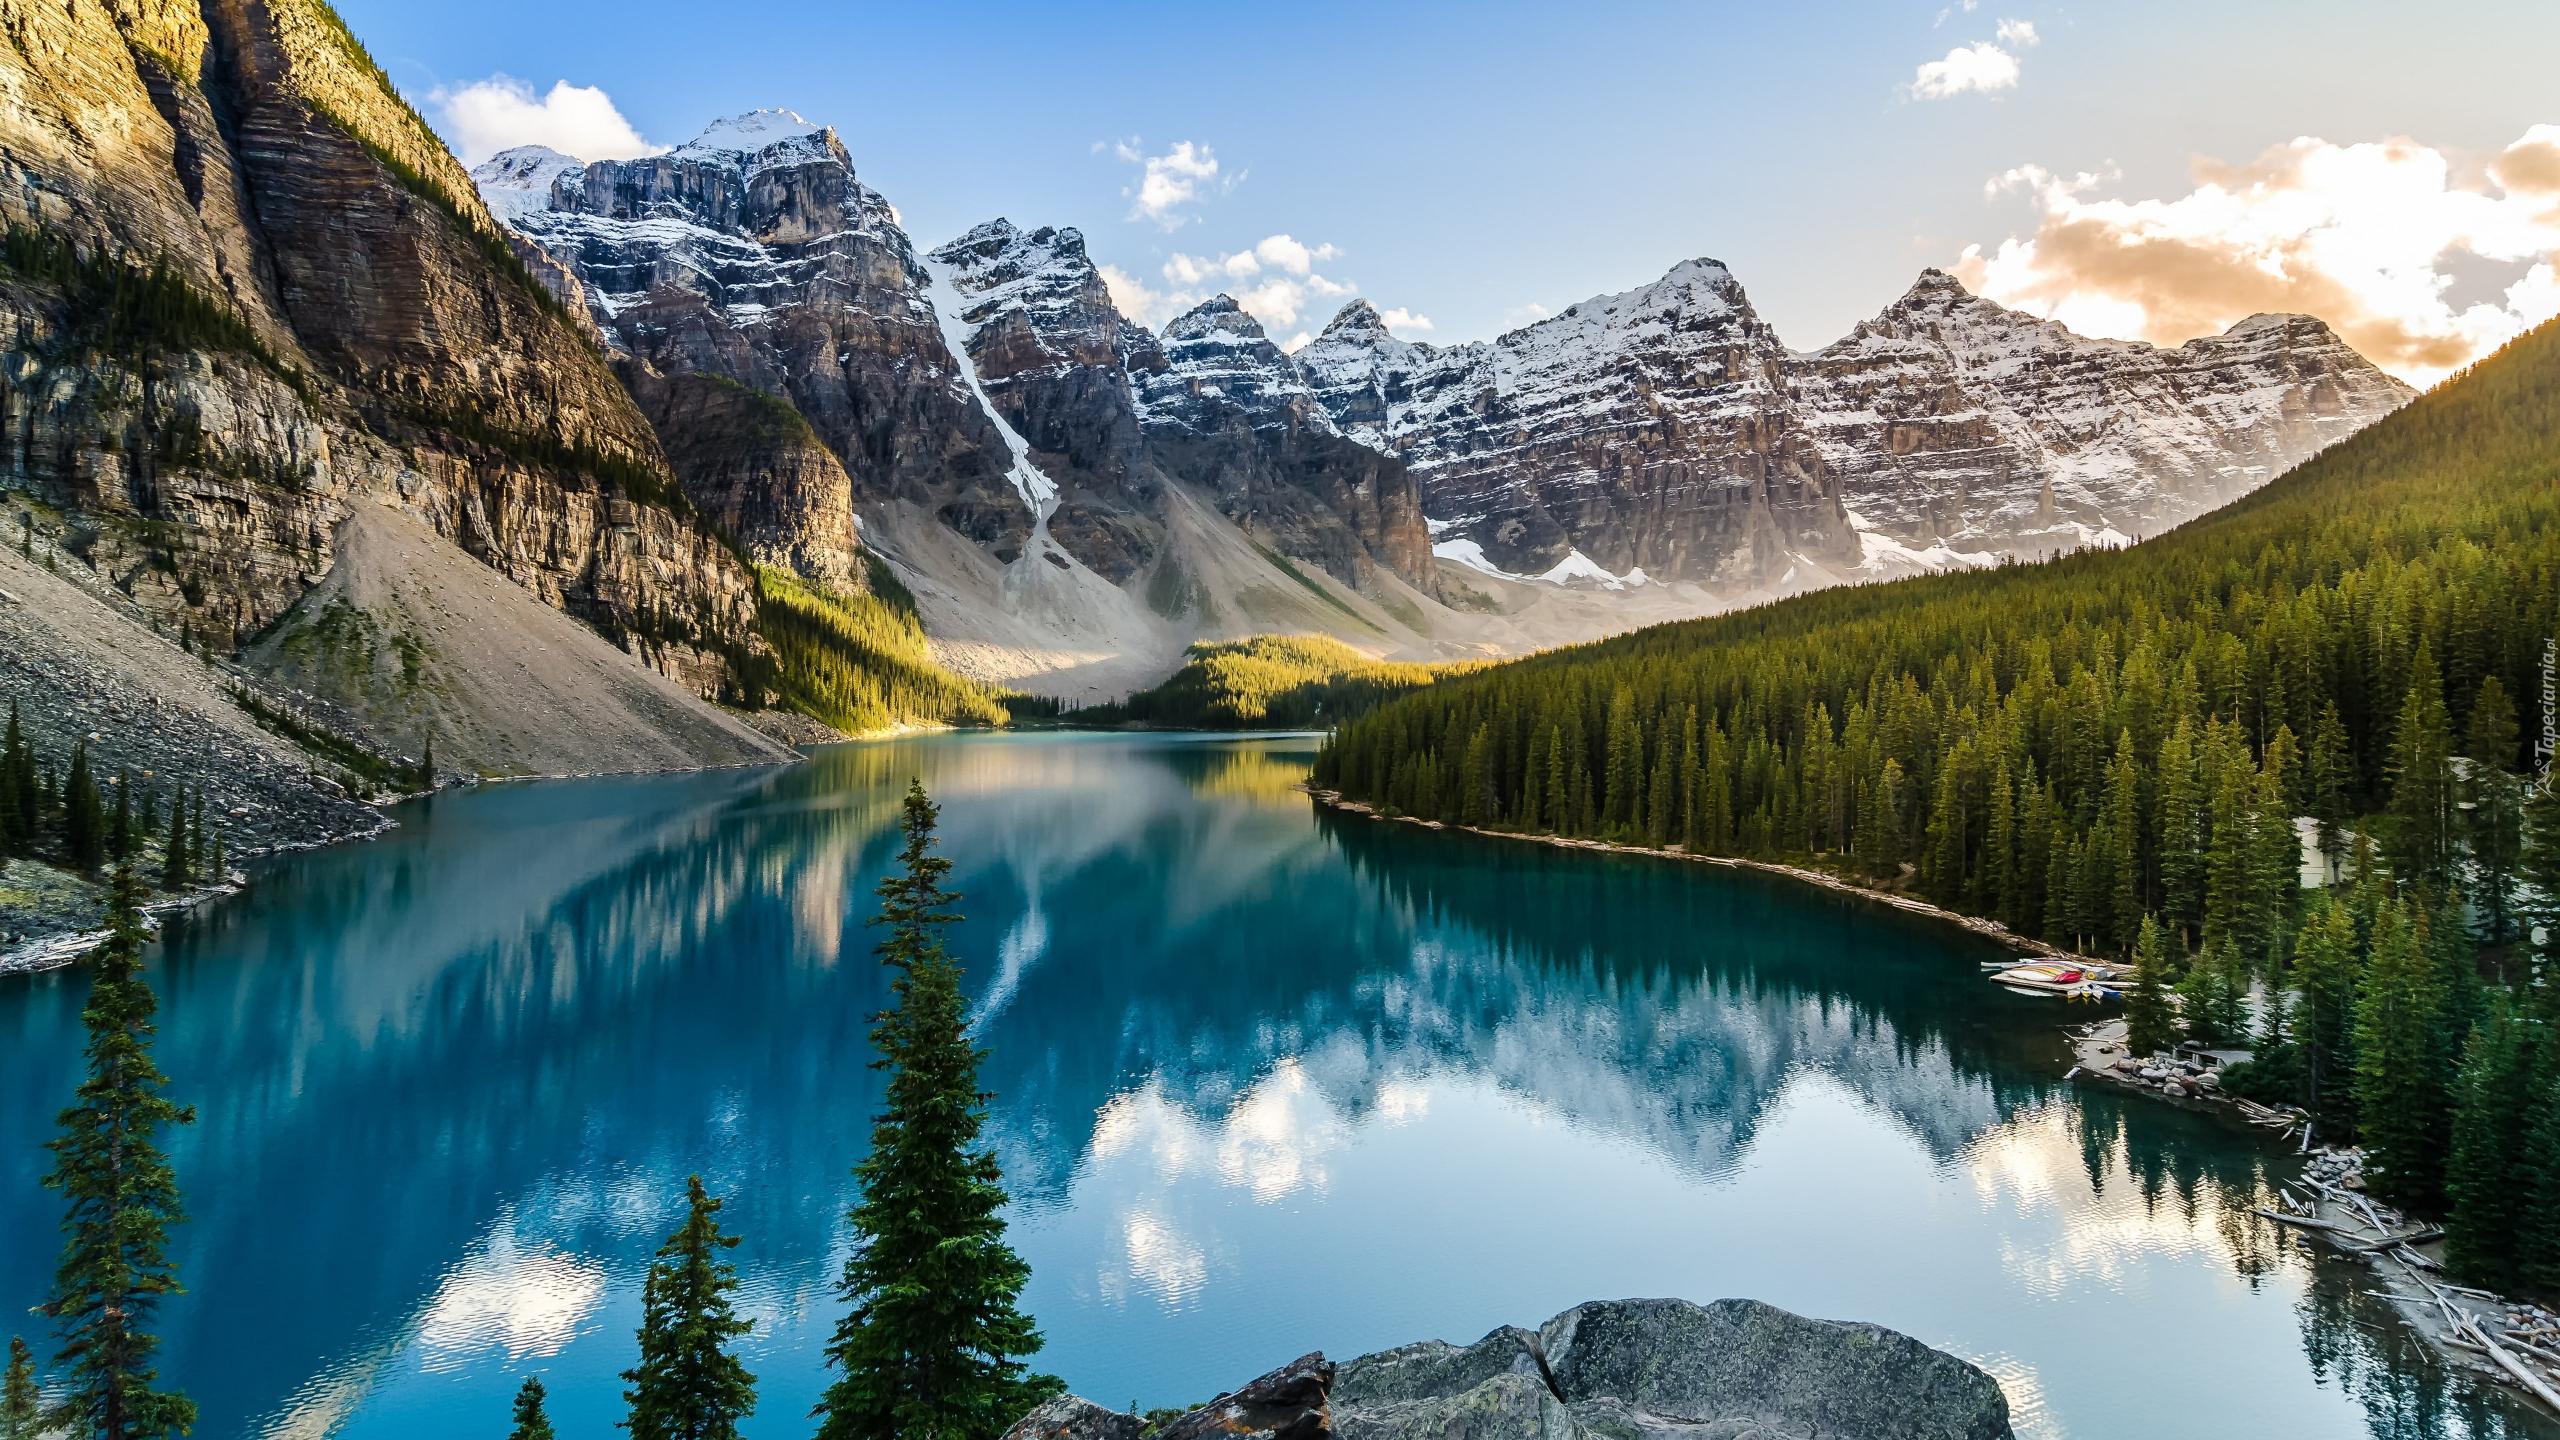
[17, 806]
[2496, 831]
[532, 1422]
[21, 1415]
[687, 1385]
[121, 1197]
[2422, 801]
[2331, 780]
[2214, 995]
[84, 821]
[2151, 1021]
[2325, 972]
[2179, 829]
[2492, 1124]
[2538, 865]
[120, 830]
[931, 1347]
[2490, 739]
[2399, 1089]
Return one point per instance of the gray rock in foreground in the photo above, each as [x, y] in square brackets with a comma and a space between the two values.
[1606, 1370]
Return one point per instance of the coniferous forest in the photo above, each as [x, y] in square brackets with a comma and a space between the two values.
[2111, 751]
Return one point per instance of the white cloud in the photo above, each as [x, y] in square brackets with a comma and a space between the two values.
[1275, 281]
[2019, 32]
[1982, 66]
[1400, 320]
[1169, 181]
[502, 112]
[2367, 237]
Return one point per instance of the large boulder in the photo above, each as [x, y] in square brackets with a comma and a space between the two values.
[1607, 1370]
[1642, 1369]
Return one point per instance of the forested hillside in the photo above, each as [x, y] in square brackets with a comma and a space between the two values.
[2072, 745]
[2109, 751]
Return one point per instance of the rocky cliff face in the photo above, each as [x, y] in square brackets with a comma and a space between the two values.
[1957, 424]
[1646, 431]
[753, 254]
[329, 314]
[1226, 410]
[1607, 1370]
[1039, 327]
[1667, 430]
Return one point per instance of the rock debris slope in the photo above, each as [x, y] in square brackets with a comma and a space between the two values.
[1607, 1370]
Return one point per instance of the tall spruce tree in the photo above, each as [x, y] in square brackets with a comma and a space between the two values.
[17, 812]
[533, 1421]
[21, 1407]
[933, 1344]
[84, 820]
[2400, 1098]
[687, 1385]
[120, 828]
[120, 1198]
[2492, 1128]
[2325, 972]
[2539, 865]
[2151, 1020]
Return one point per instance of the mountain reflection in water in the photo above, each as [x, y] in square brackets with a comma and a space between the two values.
[1266, 1080]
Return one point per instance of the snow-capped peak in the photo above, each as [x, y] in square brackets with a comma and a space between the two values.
[748, 133]
[1358, 321]
[1219, 315]
[515, 182]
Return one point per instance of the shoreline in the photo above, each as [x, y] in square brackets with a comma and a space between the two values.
[1991, 930]
[55, 949]
[2433, 1309]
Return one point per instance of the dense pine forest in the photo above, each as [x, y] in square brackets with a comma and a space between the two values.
[2110, 752]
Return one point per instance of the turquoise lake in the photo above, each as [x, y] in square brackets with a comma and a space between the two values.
[1268, 1080]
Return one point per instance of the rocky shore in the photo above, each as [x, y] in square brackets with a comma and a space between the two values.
[1603, 1370]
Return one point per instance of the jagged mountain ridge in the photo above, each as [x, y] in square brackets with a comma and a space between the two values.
[984, 402]
[1662, 437]
[1667, 431]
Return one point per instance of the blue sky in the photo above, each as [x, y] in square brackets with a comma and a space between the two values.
[1478, 164]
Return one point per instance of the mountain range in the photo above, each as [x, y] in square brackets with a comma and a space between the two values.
[529, 463]
[1662, 440]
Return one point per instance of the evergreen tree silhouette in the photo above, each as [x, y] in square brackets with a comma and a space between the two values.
[932, 1346]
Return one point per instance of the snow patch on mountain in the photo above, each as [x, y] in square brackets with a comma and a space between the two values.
[516, 182]
[1037, 490]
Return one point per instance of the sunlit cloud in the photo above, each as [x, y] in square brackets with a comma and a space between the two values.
[1404, 324]
[1185, 173]
[486, 116]
[1982, 67]
[1274, 280]
[2371, 238]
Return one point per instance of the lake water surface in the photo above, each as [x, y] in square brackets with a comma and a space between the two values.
[1267, 1081]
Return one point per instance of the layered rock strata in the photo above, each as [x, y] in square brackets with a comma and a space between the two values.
[1667, 431]
[250, 286]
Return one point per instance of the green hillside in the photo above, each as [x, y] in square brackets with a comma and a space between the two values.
[1272, 682]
